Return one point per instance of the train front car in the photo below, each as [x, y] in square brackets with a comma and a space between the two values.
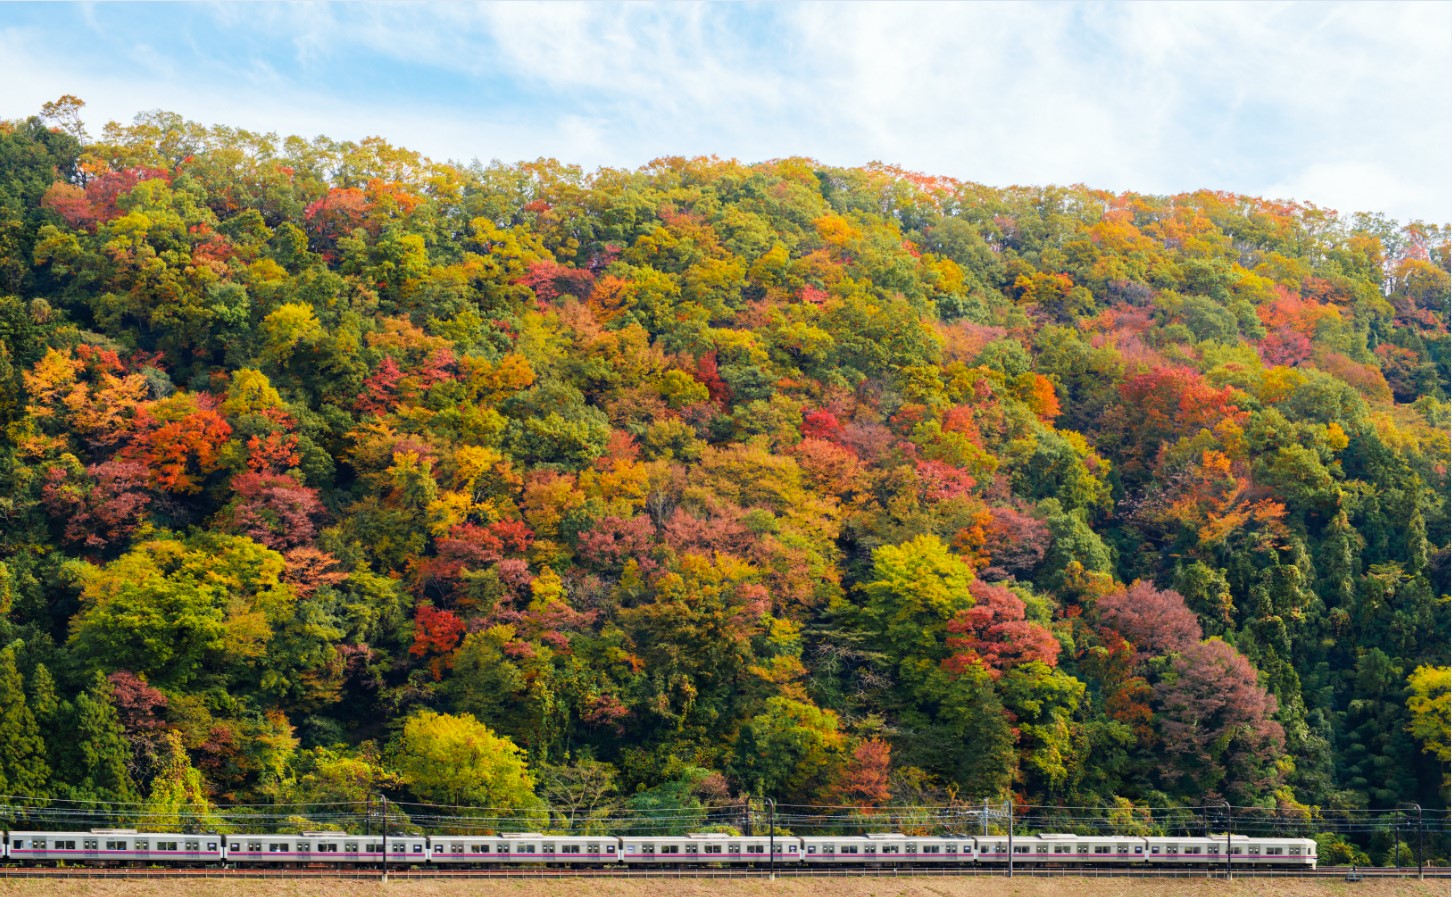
[115, 847]
[709, 849]
[523, 848]
[325, 849]
[1062, 850]
[891, 850]
[1273, 852]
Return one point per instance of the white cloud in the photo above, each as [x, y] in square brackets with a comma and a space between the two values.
[1347, 105]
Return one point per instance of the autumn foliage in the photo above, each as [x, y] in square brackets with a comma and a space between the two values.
[331, 470]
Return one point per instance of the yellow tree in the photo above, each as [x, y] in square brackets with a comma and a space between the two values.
[459, 760]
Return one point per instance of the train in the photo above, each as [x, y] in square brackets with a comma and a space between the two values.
[119, 847]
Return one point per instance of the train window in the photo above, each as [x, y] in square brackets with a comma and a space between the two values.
[1213, 849]
[670, 848]
[891, 848]
[1255, 851]
[1235, 851]
[525, 848]
[931, 848]
[1139, 848]
[1042, 848]
[690, 848]
[592, 848]
[1155, 848]
[19, 844]
[166, 845]
[1083, 848]
[38, 843]
[1101, 848]
[456, 847]
[951, 848]
[418, 848]
[811, 848]
[1295, 851]
[1124, 848]
[277, 847]
[194, 845]
[609, 848]
[1192, 849]
[65, 845]
[89, 844]
[1020, 849]
[327, 848]
[253, 847]
[647, 849]
[713, 848]
[549, 848]
[121, 845]
[211, 845]
[572, 848]
[304, 847]
[141, 844]
[847, 848]
[350, 846]
[756, 848]
[1173, 848]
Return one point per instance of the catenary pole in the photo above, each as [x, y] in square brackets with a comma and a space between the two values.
[771, 836]
[1010, 837]
[1228, 829]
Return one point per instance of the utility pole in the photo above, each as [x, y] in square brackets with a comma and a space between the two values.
[1421, 861]
[771, 836]
[1010, 836]
[1421, 868]
[1397, 838]
[384, 801]
[1228, 829]
[985, 817]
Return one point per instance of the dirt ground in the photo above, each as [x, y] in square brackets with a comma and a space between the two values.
[803, 887]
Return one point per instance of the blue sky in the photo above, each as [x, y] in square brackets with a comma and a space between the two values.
[1345, 105]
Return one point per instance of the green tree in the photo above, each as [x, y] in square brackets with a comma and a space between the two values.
[916, 588]
[785, 750]
[102, 755]
[24, 772]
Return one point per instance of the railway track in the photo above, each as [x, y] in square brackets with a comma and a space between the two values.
[1344, 872]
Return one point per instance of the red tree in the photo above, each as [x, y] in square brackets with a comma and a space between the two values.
[1157, 622]
[862, 780]
[995, 634]
[435, 633]
[274, 509]
[1217, 722]
[1015, 543]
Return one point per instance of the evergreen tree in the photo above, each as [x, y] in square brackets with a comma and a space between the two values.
[103, 756]
[24, 773]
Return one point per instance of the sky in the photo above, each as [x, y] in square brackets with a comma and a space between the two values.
[1345, 105]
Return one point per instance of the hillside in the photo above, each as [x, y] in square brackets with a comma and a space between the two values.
[329, 469]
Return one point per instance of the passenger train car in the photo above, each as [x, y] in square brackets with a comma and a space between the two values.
[890, 850]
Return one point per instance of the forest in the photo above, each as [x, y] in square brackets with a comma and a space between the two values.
[332, 471]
